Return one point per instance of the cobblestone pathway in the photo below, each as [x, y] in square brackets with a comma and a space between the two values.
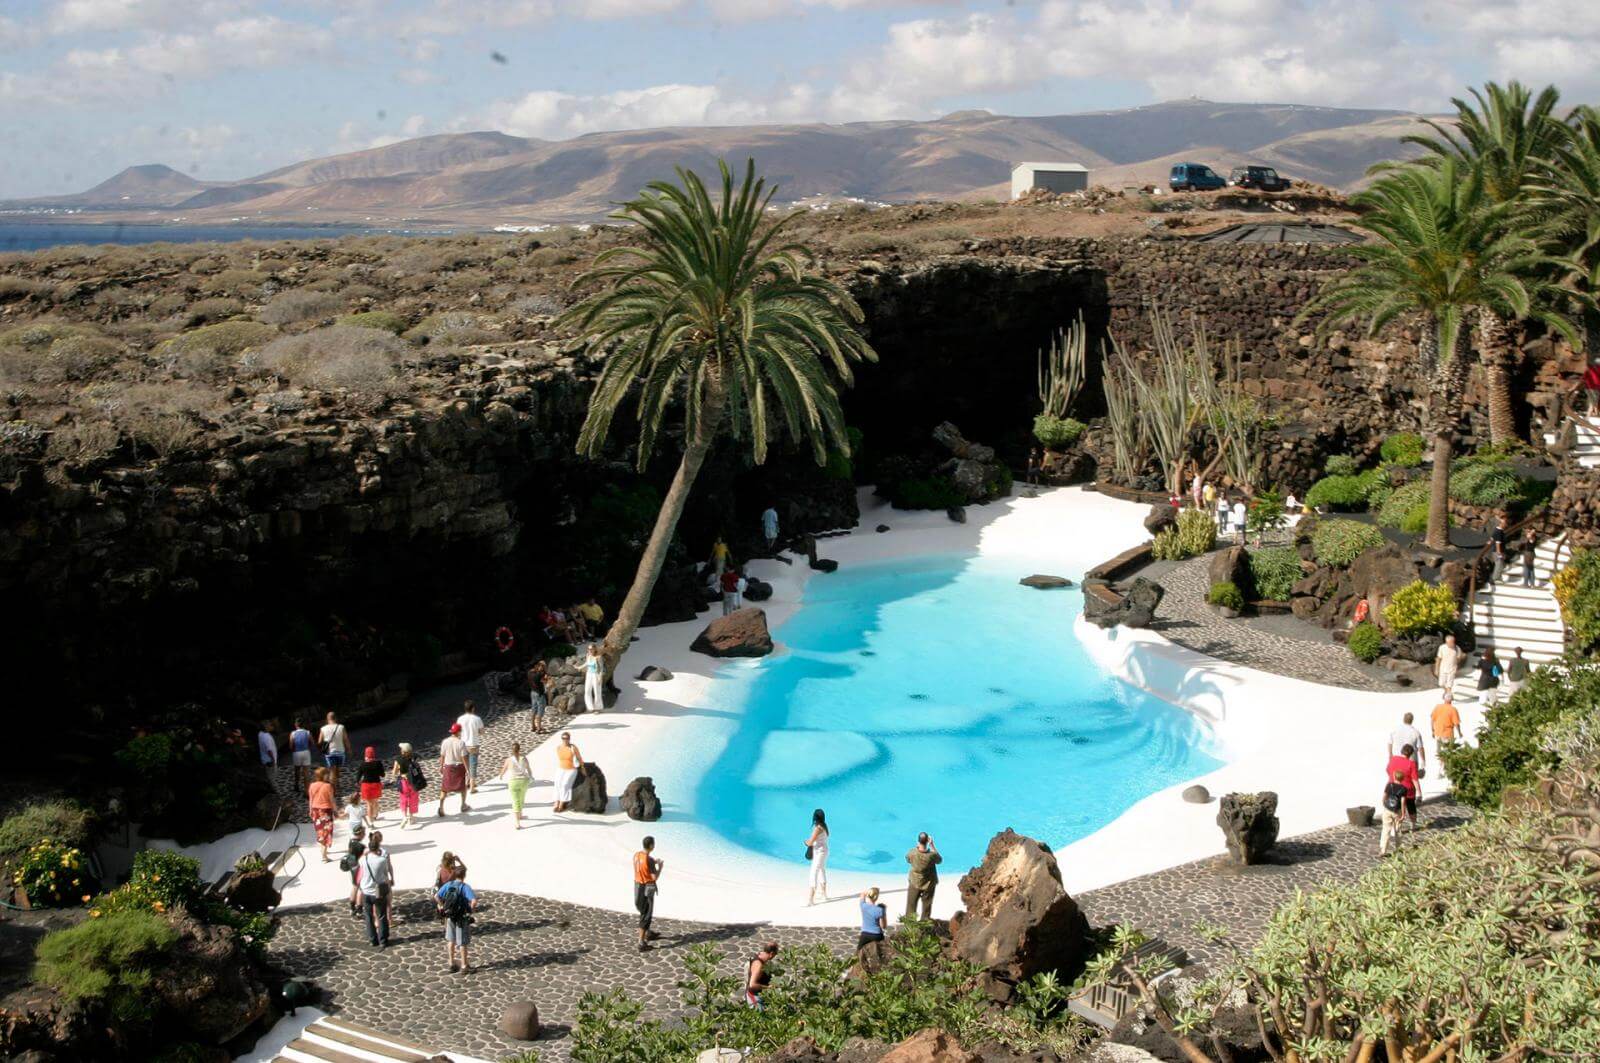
[523, 948]
[1169, 903]
[1185, 619]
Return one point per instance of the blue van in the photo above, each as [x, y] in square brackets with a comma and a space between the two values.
[1195, 177]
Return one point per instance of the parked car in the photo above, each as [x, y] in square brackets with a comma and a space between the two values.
[1195, 177]
[1263, 177]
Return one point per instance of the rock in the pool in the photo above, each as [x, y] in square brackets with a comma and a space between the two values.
[742, 633]
[589, 792]
[652, 674]
[1249, 822]
[1197, 795]
[639, 799]
[1045, 583]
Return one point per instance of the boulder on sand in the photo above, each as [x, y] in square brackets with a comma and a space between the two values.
[742, 633]
[1045, 583]
[1233, 566]
[756, 590]
[520, 1021]
[1134, 608]
[1018, 920]
[1249, 822]
[639, 799]
[1162, 515]
[589, 792]
[652, 674]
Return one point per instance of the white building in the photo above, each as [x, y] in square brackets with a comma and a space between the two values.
[1049, 176]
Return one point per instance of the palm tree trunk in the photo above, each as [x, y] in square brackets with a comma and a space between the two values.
[1494, 343]
[1447, 374]
[655, 551]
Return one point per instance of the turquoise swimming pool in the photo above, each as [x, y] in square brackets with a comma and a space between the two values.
[935, 693]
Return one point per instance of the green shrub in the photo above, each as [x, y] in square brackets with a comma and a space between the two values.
[1226, 593]
[1415, 522]
[1057, 433]
[1401, 501]
[1339, 542]
[1577, 591]
[1375, 488]
[1484, 483]
[387, 320]
[925, 492]
[1420, 608]
[1509, 749]
[1275, 570]
[161, 880]
[225, 339]
[1338, 493]
[1341, 465]
[1366, 641]
[53, 874]
[64, 821]
[1402, 448]
[107, 959]
[1197, 532]
[1265, 513]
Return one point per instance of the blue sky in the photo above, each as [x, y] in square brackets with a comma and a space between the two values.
[224, 89]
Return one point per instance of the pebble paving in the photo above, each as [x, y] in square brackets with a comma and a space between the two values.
[1264, 643]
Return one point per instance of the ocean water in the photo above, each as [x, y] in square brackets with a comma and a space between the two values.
[33, 235]
[935, 693]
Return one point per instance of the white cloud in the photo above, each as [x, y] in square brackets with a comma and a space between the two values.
[96, 16]
[1535, 41]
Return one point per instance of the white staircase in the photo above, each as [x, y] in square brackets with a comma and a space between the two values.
[334, 1040]
[1507, 615]
[1586, 447]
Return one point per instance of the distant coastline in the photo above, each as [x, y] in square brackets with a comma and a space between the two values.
[25, 233]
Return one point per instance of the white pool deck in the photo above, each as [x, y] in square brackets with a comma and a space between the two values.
[1321, 748]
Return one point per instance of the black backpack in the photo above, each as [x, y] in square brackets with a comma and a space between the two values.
[457, 908]
[1394, 796]
[415, 777]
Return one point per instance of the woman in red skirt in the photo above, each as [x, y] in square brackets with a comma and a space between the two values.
[320, 797]
[370, 775]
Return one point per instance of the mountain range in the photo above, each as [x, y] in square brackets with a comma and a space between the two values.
[476, 178]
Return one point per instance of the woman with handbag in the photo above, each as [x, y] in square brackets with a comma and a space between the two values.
[817, 853]
[407, 772]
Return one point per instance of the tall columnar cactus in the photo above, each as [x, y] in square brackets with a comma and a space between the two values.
[1061, 369]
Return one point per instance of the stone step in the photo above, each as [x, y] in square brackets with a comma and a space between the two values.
[334, 1040]
[341, 1023]
[373, 1042]
[1503, 612]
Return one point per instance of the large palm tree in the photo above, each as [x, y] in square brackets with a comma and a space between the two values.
[1566, 201]
[713, 309]
[1442, 252]
[1506, 135]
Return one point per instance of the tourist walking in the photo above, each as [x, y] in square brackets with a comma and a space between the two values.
[1497, 544]
[758, 975]
[350, 863]
[518, 776]
[646, 874]
[370, 777]
[320, 801]
[1197, 488]
[1222, 515]
[569, 760]
[448, 863]
[1033, 467]
[471, 725]
[453, 768]
[267, 745]
[1407, 735]
[1447, 662]
[335, 747]
[1403, 769]
[719, 557]
[1530, 558]
[1239, 520]
[769, 527]
[1208, 495]
[408, 775]
[1516, 672]
[1394, 803]
[923, 879]
[538, 696]
[1445, 724]
[730, 590]
[356, 813]
[457, 902]
[1488, 678]
[874, 919]
[300, 753]
[817, 853]
[376, 878]
[594, 680]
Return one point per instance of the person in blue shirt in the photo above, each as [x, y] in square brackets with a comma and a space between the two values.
[457, 902]
[874, 919]
[300, 754]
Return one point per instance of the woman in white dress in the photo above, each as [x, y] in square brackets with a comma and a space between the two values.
[817, 849]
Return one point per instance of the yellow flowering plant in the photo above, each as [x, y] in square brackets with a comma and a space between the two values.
[52, 874]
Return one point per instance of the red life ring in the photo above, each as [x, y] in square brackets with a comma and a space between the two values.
[1361, 611]
[504, 639]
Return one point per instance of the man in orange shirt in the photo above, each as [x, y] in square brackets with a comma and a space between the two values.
[1446, 722]
[646, 870]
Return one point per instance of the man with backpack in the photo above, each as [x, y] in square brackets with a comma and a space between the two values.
[456, 905]
[376, 878]
[1394, 803]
